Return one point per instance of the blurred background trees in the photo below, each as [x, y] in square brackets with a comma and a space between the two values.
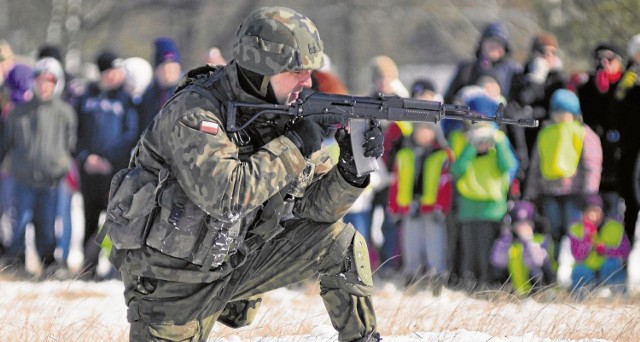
[424, 37]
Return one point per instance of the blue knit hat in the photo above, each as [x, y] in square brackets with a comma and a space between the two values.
[566, 101]
[166, 51]
[483, 104]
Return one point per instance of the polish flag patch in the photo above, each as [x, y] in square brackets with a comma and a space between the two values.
[209, 127]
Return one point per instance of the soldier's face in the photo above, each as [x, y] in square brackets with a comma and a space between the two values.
[288, 85]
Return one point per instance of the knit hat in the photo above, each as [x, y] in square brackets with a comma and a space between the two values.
[166, 51]
[422, 85]
[566, 101]
[543, 39]
[19, 82]
[107, 59]
[383, 67]
[634, 46]
[137, 75]
[483, 104]
[601, 51]
[48, 50]
[522, 211]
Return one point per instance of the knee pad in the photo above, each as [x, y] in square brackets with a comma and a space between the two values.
[350, 268]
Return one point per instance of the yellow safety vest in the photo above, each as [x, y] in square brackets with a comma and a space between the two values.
[560, 148]
[431, 171]
[483, 180]
[406, 127]
[457, 141]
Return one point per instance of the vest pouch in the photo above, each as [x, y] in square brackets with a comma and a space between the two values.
[183, 230]
[131, 201]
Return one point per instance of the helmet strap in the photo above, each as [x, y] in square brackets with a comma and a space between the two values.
[265, 85]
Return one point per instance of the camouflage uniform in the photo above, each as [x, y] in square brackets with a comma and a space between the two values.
[204, 222]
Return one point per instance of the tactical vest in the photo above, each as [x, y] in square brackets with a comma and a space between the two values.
[152, 209]
[610, 234]
[483, 180]
[560, 148]
[432, 169]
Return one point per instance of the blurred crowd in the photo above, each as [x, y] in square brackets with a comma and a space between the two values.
[479, 206]
[64, 136]
[467, 205]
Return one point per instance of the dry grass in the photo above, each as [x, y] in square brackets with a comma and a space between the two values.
[79, 311]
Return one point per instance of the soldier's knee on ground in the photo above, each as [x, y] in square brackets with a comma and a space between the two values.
[240, 313]
[347, 264]
[346, 286]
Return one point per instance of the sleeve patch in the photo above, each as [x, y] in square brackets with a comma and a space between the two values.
[209, 127]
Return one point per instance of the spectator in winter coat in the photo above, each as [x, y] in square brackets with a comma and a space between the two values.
[40, 135]
[107, 132]
[167, 72]
[627, 107]
[421, 195]
[599, 246]
[492, 58]
[524, 250]
[482, 183]
[566, 165]
[531, 92]
[598, 112]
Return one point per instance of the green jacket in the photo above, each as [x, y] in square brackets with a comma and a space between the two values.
[470, 209]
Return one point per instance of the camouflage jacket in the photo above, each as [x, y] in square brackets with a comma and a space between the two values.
[216, 197]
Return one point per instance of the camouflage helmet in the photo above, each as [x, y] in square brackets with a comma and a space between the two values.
[272, 40]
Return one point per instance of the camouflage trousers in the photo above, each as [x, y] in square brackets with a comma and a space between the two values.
[161, 310]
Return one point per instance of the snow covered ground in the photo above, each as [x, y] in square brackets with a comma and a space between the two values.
[88, 311]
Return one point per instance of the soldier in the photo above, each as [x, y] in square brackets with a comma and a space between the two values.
[204, 221]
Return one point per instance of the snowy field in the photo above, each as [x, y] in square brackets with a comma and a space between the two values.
[87, 311]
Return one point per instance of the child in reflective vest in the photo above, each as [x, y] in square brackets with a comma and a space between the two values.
[420, 194]
[566, 164]
[482, 174]
[600, 247]
[524, 250]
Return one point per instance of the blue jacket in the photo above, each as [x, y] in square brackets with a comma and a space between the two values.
[107, 126]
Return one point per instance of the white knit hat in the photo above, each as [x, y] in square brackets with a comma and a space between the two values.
[634, 46]
[137, 75]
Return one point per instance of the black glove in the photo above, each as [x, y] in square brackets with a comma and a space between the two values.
[373, 147]
[307, 133]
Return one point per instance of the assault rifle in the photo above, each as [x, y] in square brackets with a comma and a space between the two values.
[367, 108]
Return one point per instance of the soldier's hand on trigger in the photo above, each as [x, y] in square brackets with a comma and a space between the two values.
[308, 132]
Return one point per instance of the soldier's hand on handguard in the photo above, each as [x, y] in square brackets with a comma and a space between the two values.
[373, 146]
[307, 133]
